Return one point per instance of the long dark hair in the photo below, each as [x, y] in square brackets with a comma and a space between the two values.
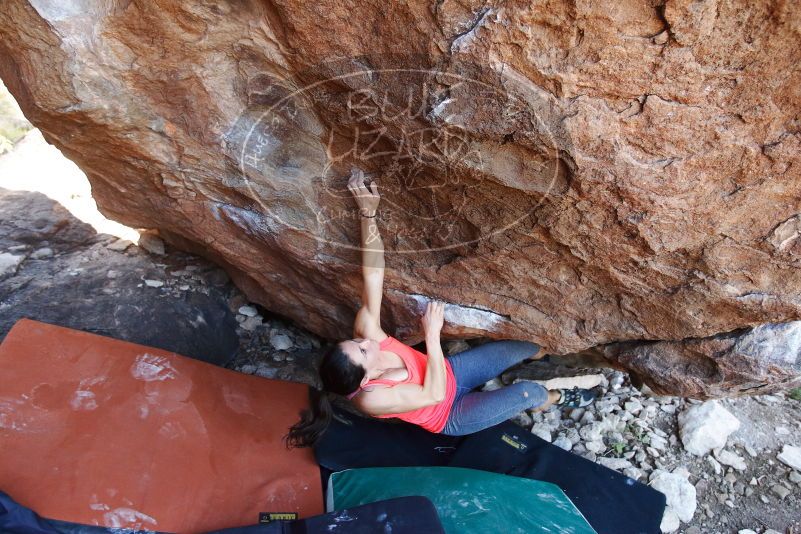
[339, 375]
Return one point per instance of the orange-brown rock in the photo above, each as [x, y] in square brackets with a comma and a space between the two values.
[573, 174]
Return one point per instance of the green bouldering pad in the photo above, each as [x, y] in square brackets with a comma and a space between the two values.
[467, 500]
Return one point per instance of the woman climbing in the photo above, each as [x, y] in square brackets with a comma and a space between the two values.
[383, 377]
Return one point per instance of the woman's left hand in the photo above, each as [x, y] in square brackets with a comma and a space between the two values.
[366, 199]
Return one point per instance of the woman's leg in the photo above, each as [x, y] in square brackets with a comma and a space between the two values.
[479, 410]
[475, 366]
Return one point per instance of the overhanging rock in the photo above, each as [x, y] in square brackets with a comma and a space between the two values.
[581, 175]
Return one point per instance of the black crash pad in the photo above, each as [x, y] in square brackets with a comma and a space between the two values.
[612, 502]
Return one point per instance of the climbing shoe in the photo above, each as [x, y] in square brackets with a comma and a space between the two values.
[575, 398]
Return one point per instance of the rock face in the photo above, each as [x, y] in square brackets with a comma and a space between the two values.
[575, 176]
[751, 361]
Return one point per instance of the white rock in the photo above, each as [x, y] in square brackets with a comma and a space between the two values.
[9, 263]
[681, 496]
[573, 435]
[251, 323]
[552, 415]
[568, 382]
[612, 423]
[781, 490]
[153, 283]
[791, 455]
[731, 459]
[44, 252]
[120, 245]
[705, 427]
[563, 442]
[151, 243]
[746, 531]
[656, 441]
[542, 430]
[634, 406]
[248, 311]
[617, 381]
[715, 465]
[281, 342]
[591, 432]
[595, 446]
[670, 521]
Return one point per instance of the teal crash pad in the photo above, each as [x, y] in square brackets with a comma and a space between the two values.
[467, 500]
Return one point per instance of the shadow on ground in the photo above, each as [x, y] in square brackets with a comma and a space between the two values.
[56, 269]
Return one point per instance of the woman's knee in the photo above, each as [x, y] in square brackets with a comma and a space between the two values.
[530, 392]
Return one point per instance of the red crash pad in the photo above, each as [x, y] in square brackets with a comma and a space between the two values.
[105, 432]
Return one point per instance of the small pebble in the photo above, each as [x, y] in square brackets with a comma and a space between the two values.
[563, 442]
[44, 252]
[780, 490]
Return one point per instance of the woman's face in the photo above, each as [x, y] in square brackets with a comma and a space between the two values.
[362, 351]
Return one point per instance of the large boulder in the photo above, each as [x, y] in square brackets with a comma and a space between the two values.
[571, 175]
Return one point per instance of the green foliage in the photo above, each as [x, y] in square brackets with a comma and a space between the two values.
[638, 433]
[795, 394]
[13, 125]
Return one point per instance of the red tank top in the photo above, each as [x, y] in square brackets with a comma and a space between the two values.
[434, 417]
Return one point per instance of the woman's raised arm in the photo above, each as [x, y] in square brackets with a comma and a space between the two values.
[368, 319]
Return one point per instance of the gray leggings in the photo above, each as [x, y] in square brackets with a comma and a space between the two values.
[473, 411]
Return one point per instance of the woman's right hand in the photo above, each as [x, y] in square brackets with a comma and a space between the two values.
[366, 199]
[434, 317]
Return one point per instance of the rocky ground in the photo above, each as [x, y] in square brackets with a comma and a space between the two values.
[738, 485]
[745, 477]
